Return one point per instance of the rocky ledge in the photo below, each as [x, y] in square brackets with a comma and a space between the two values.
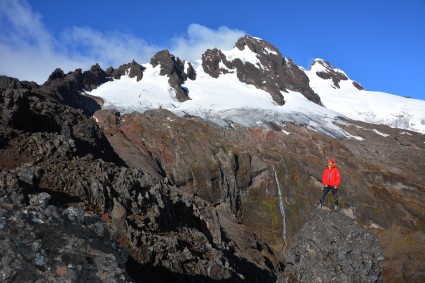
[332, 248]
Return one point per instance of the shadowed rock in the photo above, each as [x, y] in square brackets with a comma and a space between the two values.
[133, 70]
[69, 88]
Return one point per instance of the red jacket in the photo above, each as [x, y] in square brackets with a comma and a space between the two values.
[331, 177]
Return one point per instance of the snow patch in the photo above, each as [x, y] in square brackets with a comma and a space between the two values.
[355, 137]
[269, 51]
[379, 133]
[245, 55]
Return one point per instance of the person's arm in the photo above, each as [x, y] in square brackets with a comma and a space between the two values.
[337, 178]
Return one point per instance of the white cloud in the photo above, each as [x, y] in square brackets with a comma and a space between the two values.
[200, 38]
[108, 49]
[26, 24]
[28, 51]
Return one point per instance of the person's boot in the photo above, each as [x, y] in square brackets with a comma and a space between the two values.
[336, 208]
[320, 203]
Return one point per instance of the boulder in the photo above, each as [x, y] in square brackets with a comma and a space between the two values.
[331, 247]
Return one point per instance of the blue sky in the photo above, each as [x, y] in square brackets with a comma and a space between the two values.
[380, 44]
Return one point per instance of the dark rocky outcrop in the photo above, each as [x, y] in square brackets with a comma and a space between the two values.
[12, 83]
[30, 111]
[330, 247]
[211, 60]
[68, 88]
[174, 68]
[160, 234]
[334, 74]
[358, 86]
[133, 70]
[273, 73]
[41, 242]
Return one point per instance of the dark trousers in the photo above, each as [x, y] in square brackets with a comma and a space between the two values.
[326, 191]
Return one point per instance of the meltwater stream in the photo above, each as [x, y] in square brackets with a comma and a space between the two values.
[282, 209]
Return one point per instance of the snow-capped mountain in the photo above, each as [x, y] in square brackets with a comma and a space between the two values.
[254, 85]
[350, 100]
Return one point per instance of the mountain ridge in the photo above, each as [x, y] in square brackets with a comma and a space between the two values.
[197, 89]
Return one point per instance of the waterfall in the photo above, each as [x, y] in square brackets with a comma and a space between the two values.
[281, 207]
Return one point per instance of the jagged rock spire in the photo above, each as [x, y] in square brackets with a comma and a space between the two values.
[174, 68]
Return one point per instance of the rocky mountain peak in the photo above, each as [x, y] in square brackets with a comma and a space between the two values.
[174, 68]
[67, 87]
[326, 71]
[56, 74]
[259, 63]
[133, 69]
[256, 45]
[88, 80]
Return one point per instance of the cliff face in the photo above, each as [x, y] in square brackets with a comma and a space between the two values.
[271, 180]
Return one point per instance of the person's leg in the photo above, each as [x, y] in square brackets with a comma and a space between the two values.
[335, 195]
[324, 193]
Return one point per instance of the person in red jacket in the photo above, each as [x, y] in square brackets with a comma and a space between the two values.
[330, 179]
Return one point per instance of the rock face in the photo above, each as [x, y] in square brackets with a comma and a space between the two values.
[65, 186]
[330, 247]
[254, 172]
[174, 68]
[133, 70]
[273, 73]
[27, 110]
[68, 87]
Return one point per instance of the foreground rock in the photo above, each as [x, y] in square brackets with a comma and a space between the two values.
[44, 243]
[93, 219]
[160, 235]
[331, 248]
